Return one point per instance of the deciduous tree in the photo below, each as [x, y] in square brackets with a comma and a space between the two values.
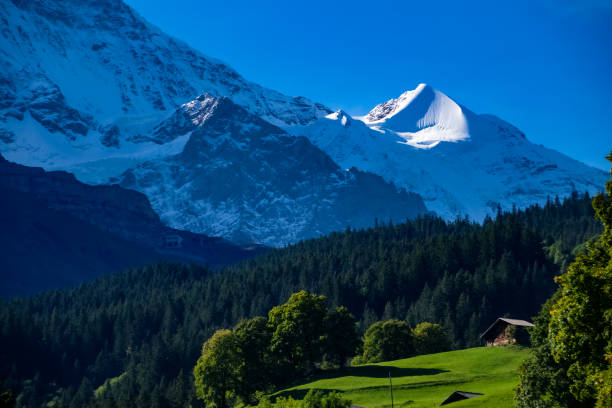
[217, 372]
[430, 338]
[342, 339]
[387, 340]
[298, 333]
[572, 338]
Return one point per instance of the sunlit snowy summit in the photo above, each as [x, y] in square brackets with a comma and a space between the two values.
[460, 162]
[92, 88]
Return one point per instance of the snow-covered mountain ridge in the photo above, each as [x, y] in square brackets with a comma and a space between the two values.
[424, 117]
[245, 179]
[93, 75]
[460, 162]
[90, 87]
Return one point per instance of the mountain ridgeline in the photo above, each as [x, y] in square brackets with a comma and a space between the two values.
[216, 154]
[243, 178]
[144, 328]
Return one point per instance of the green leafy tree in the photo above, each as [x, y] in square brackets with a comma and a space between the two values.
[298, 333]
[253, 338]
[430, 338]
[572, 338]
[217, 372]
[580, 329]
[543, 381]
[387, 340]
[342, 339]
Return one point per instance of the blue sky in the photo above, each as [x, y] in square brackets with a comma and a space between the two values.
[543, 65]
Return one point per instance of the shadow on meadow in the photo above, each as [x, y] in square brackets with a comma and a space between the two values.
[377, 371]
[371, 371]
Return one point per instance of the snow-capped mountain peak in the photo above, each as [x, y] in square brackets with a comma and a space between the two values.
[390, 108]
[341, 116]
[90, 87]
[462, 163]
[200, 108]
[423, 117]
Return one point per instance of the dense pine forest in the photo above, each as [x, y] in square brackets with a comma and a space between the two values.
[132, 339]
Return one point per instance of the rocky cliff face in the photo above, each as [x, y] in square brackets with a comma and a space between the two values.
[243, 178]
[44, 249]
[111, 208]
[124, 214]
[90, 87]
[95, 71]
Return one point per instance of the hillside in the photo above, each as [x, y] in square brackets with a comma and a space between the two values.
[426, 381]
[462, 275]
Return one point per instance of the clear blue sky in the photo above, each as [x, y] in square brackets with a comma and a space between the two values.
[543, 65]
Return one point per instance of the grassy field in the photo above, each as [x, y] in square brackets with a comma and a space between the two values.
[425, 381]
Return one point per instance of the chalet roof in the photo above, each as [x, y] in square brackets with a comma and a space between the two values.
[459, 396]
[516, 322]
[513, 322]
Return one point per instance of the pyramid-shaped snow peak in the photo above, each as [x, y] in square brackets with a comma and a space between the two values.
[423, 117]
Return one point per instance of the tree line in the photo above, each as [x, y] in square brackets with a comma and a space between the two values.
[131, 339]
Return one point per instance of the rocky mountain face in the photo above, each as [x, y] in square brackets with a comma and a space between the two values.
[90, 87]
[243, 178]
[460, 162]
[93, 75]
[110, 208]
[122, 214]
[134, 123]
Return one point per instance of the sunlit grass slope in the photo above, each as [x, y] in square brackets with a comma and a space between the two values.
[425, 381]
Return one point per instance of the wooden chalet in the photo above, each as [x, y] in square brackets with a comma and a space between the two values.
[498, 334]
[460, 396]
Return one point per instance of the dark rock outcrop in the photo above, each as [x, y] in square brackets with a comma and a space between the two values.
[76, 227]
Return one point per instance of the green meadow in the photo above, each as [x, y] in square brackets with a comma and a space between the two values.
[426, 381]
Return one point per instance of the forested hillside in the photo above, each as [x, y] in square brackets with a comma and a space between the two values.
[144, 328]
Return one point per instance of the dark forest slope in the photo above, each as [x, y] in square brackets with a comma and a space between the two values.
[150, 323]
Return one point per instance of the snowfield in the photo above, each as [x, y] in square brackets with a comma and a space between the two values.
[460, 162]
[94, 89]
